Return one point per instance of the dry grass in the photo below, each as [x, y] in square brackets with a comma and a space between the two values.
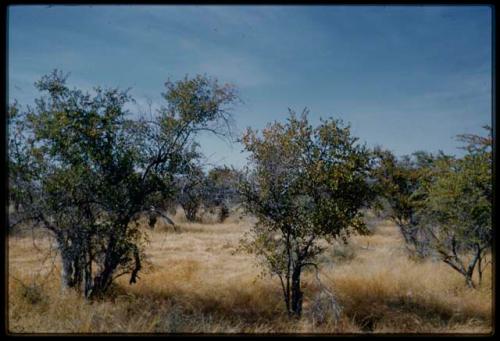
[198, 282]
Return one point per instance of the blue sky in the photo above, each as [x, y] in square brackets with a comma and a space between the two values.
[408, 78]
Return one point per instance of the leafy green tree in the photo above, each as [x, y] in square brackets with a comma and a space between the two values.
[306, 184]
[17, 163]
[82, 168]
[398, 182]
[457, 211]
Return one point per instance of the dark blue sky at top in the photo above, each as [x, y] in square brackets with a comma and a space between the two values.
[408, 78]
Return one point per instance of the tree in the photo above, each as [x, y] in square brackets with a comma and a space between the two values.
[221, 190]
[191, 190]
[398, 182]
[17, 144]
[306, 184]
[457, 211]
[84, 170]
[215, 190]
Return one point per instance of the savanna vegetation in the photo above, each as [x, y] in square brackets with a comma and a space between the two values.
[116, 224]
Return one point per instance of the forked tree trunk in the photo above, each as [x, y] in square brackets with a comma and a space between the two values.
[469, 281]
[100, 284]
[409, 231]
[467, 272]
[472, 266]
[103, 280]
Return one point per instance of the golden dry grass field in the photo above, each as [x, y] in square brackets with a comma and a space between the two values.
[198, 282]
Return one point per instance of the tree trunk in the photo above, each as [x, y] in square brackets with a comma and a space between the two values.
[66, 272]
[223, 213]
[286, 294]
[103, 279]
[88, 269]
[480, 270]
[410, 232]
[469, 281]
[71, 272]
[296, 305]
[190, 212]
[472, 265]
[101, 282]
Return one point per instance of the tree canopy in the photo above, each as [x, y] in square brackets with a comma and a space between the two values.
[82, 167]
[306, 184]
[457, 212]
